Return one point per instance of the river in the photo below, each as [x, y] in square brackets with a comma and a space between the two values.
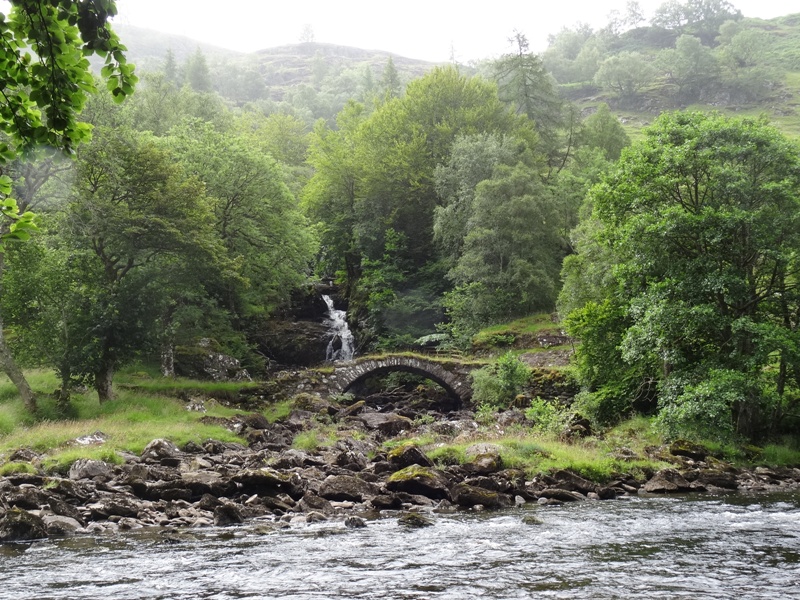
[691, 547]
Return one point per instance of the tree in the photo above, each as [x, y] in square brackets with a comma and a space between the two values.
[702, 224]
[523, 82]
[390, 80]
[511, 248]
[198, 75]
[691, 66]
[132, 209]
[170, 69]
[42, 96]
[255, 216]
[625, 74]
[603, 130]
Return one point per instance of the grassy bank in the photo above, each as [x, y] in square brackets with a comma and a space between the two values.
[158, 409]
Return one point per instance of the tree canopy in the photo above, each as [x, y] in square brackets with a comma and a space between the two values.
[700, 226]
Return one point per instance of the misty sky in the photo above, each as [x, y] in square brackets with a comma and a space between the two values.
[423, 29]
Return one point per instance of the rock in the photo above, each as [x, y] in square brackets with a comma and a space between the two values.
[531, 520]
[313, 503]
[61, 525]
[347, 488]
[667, 481]
[482, 448]
[469, 496]
[204, 361]
[25, 496]
[351, 411]
[159, 449]
[561, 495]
[84, 468]
[107, 507]
[64, 509]
[353, 461]
[269, 482]
[484, 464]
[430, 483]
[389, 424]
[386, 502]
[256, 421]
[717, 478]
[688, 449]
[295, 458]
[414, 520]
[23, 455]
[406, 455]
[19, 525]
[315, 517]
[227, 514]
[570, 481]
[355, 523]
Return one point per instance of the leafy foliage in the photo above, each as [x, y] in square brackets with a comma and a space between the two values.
[700, 222]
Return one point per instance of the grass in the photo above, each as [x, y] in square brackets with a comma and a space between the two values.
[130, 422]
[526, 326]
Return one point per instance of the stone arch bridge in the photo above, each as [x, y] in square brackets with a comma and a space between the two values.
[454, 379]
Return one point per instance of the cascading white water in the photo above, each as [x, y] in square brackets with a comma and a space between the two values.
[340, 347]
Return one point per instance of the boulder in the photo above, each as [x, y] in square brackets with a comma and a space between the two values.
[717, 478]
[389, 424]
[348, 488]
[227, 514]
[64, 509]
[561, 495]
[688, 449]
[84, 468]
[407, 455]
[25, 496]
[567, 480]
[667, 481]
[430, 483]
[19, 525]
[484, 464]
[269, 482]
[311, 502]
[468, 496]
[355, 523]
[414, 520]
[159, 449]
[60, 525]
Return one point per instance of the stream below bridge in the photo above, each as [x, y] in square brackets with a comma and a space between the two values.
[692, 547]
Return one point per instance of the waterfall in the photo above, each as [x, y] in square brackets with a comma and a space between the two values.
[341, 345]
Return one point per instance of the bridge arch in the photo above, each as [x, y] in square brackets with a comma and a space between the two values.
[455, 384]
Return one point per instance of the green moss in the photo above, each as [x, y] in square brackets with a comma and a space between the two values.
[409, 473]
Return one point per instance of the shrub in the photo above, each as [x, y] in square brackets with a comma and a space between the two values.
[498, 384]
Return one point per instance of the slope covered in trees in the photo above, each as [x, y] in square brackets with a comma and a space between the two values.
[438, 204]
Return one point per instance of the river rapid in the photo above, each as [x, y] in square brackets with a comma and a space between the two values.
[735, 546]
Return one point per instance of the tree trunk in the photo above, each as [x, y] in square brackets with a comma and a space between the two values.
[9, 366]
[103, 382]
[167, 359]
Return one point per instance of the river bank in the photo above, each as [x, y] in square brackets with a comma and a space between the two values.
[374, 467]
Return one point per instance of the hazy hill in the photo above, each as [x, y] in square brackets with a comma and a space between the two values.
[316, 79]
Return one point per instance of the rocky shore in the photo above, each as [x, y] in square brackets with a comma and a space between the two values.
[354, 480]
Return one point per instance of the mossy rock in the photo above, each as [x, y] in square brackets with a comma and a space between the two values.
[688, 449]
[420, 480]
[467, 496]
[407, 455]
[414, 520]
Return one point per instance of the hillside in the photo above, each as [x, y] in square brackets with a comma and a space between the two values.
[752, 67]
